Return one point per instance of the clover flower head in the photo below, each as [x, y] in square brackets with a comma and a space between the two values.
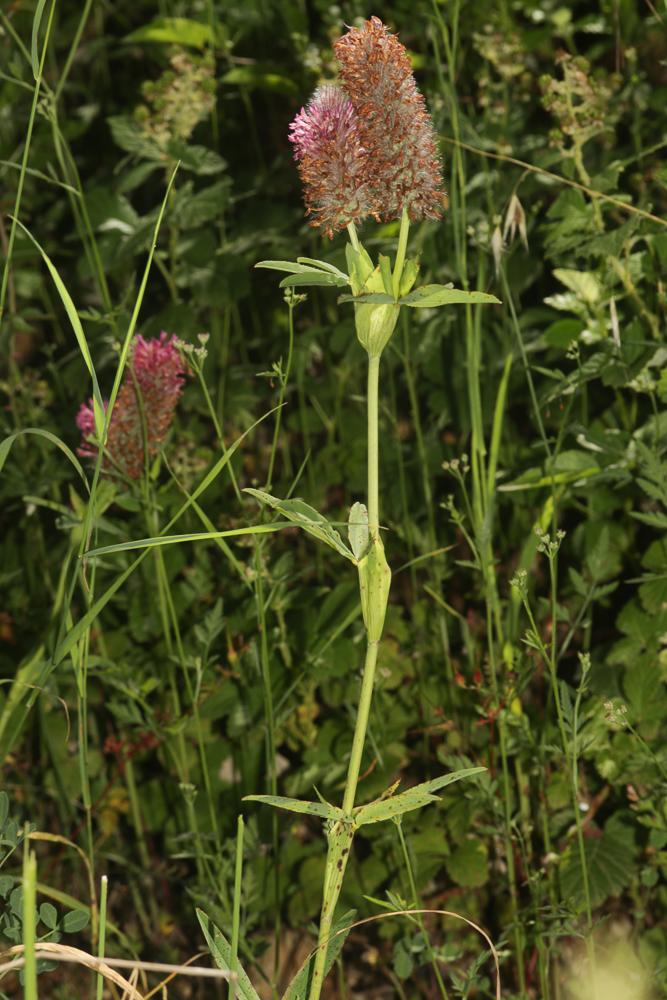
[144, 407]
[332, 161]
[394, 124]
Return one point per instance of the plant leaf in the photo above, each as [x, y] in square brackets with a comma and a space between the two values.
[431, 296]
[294, 267]
[357, 529]
[379, 297]
[301, 513]
[322, 809]
[174, 31]
[413, 798]
[314, 276]
[324, 266]
[221, 951]
[299, 988]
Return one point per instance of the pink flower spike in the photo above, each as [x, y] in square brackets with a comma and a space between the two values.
[144, 407]
[332, 160]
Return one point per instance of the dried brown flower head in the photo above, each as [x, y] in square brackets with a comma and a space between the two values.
[394, 126]
[333, 164]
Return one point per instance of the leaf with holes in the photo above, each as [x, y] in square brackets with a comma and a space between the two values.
[322, 809]
[413, 798]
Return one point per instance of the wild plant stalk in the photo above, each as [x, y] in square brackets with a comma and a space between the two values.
[482, 487]
[359, 153]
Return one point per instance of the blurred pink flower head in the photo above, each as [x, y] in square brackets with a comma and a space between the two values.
[144, 406]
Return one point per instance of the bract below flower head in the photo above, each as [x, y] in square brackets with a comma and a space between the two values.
[394, 125]
[333, 163]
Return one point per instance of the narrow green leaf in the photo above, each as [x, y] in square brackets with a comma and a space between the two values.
[72, 315]
[36, 22]
[6, 445]
[299, 988]
[306, 517]
[413, 798]
[195, 536]
[322, 809]
[284, 265]
[385, 271]
[221, 951]
[313, 276]
[431, 296]
[324, 266]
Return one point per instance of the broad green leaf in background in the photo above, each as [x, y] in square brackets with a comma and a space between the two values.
[301, 513]
[260, 78]
[413, 798]
[609, 861]
[468, 864]
[177, 31]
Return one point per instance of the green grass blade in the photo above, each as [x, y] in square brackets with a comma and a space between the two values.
[34, 53]
[72, 315]
[496, 432]
[6, 446]
[67, 643]
[195, 536]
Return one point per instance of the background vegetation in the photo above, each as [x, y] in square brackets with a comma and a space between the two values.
[524, 493]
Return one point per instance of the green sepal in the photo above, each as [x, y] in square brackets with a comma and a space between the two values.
[392, 806]
[374, 585]
[385, 271]
[322, 809]
[306, 517]
[360, 267]
[409, 276]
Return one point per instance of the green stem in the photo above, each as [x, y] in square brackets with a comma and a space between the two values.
[401, 251]
[236, 918]
[332, 885]
[354, 239]
[373, 446]
[284, 379]
[360, 728]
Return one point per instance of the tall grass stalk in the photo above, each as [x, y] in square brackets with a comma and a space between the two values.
[481, 501]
